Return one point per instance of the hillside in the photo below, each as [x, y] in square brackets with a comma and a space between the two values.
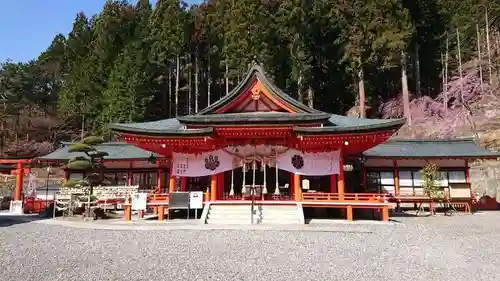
[136, 62]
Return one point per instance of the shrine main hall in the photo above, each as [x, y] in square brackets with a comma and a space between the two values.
[257, 146]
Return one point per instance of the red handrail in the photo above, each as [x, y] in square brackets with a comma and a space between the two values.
[320, 196]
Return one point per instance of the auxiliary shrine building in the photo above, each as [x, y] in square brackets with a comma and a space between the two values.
[258, 145]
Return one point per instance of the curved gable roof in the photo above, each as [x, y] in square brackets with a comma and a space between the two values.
[257, 72]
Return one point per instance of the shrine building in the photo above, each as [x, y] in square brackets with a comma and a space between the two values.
[258, 141]
[257, 145]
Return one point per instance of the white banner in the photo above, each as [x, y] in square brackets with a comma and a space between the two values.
[208, 163]
[309, 164]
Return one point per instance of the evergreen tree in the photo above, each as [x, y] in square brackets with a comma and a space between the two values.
[127, 94]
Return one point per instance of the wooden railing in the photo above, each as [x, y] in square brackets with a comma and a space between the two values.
[329, 197]
[164, 197]
[158, 197]
[269, 197]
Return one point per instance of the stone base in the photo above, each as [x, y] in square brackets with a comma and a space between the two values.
[16, 207]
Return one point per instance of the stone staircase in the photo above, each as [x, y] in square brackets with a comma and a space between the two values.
[263, 214]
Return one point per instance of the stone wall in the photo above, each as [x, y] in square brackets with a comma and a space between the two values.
[485, 178]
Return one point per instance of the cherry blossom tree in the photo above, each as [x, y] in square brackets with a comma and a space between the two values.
[463, 109]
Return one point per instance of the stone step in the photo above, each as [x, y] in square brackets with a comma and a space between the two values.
[240, 214]
[232, 207]
[231, 221]
[225, 216]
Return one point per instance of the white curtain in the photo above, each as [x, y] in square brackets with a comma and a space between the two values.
[209, 163]
[309, 164]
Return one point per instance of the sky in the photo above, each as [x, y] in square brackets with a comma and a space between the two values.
[28, 26]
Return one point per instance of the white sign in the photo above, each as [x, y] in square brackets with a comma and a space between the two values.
[196, 200]
[139, 201]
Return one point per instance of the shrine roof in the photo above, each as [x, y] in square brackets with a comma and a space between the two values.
[6, 167]
[348, 124]
[168, 127]
[249, 118]
[115, 150]
[256, 72]
[445, 148]
[257, 100]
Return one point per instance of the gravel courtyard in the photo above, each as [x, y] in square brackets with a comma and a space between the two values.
[436, 248]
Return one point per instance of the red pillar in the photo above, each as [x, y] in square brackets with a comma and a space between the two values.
[292, 185]
[220, 186]
[183, 183]
[397, 188]
[467, 171]
[333, 184]
[340, 179]
[213, 188]
[18, 195]
[161, 184]
[130, 175]
[297, 190]
[171, 184]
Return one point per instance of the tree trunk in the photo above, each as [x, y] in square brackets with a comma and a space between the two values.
[196, 92]
[417, 70]
[460, 66]
[361, 91]
[310, 97]
[300, 97]
[190, 98]
[82, 132]
[169, 94]
[490, 78]
[446, 78]
[406, 94]
[227, 79]
[478, 60]
[209, 82]
[177, 71]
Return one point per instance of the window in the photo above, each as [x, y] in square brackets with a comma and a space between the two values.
[457, 177]
[442, 179]
[380, 182]
[405, 178]
[414, 178]
[75, 176]
[121, 178]
[145, 180]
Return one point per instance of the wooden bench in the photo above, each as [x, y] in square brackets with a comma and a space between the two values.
[458, 195]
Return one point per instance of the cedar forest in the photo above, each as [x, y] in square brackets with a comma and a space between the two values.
[434, 61]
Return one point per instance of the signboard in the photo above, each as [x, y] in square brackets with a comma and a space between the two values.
[196, 200]
[139, 201]
[178, 200]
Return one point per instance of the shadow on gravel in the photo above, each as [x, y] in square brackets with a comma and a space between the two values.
[7, 219]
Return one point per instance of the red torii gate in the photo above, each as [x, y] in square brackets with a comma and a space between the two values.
[18, 194]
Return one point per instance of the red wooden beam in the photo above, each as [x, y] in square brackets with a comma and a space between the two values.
[15, 161]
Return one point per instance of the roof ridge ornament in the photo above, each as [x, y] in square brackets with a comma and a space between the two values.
[256, 64]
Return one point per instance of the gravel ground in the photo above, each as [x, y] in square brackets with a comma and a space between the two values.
[436, 248]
